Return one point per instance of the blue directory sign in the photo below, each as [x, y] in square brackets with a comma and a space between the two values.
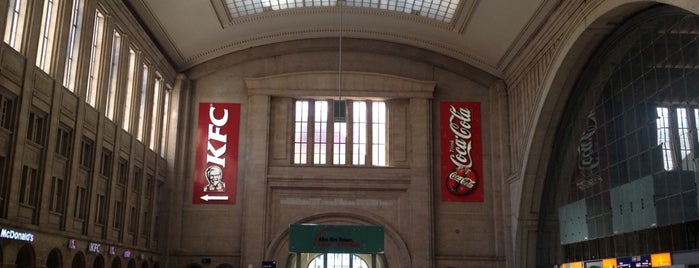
[641, 261]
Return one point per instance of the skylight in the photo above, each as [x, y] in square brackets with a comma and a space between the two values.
[440, 10]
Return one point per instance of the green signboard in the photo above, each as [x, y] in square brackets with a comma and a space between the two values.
[311, 238]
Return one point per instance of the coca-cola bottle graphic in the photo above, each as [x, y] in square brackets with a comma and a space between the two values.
[462, 181]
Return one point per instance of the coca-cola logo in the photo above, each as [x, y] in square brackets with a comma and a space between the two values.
[588, 158]
[463, 179]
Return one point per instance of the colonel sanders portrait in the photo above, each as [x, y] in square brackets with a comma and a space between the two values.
[214, 176]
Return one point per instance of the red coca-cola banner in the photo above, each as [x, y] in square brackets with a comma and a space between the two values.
[216, 167]
[461, 151]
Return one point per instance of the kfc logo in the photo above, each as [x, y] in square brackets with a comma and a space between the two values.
[217, 153]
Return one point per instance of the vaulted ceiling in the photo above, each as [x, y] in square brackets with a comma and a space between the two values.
[483, 33]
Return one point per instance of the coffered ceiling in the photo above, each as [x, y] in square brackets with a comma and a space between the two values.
[483, 33]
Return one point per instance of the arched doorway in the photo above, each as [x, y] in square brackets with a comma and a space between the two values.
[132, 264]
[336, 246]
[98, 262]
[78, 260]
[194, 265]
[25, 257]
[224, 265]
[116, 263]
[54, 260]
[144, 264]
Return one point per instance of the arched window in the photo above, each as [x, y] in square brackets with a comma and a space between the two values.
[621, 176]
[338, 260]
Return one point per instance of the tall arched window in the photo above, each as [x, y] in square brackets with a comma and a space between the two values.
[622, 179]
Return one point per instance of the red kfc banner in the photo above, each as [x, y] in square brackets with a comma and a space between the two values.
[461, 151]
[216, 167]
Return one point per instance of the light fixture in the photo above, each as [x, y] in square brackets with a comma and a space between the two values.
[339, 106]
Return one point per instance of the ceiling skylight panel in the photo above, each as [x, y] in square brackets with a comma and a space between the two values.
[441, 10]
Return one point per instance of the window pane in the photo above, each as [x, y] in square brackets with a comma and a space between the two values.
[113, 76]
[46, 37]
[80, 202]
[14, 26]
[378, 134]
[73, 45]
[696, 126]
[7, 108]
[685, 141]
[663, 125]
[320, 132]
[128, 98]
[155, 112]
[142, 103]
[56, 201]
[95, 60]
[300, 131]
[36, 128]
[339, 143]
[359, 129]
[165, 123]
[24, 184]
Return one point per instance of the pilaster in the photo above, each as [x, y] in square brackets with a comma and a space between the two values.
[421, 240]
[254, 181]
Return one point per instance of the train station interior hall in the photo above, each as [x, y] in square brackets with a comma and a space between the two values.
[349, 133]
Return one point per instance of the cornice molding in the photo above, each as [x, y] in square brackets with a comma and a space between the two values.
[354, 84]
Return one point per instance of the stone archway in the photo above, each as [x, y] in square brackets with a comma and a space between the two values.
[98, 262]
[562, 69]
[116, 262]
[132, 264]
[78, 260]
[26, 258]
[54, 260]
[396, 250]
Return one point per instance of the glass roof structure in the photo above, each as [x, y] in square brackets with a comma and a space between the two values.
[440, 10]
